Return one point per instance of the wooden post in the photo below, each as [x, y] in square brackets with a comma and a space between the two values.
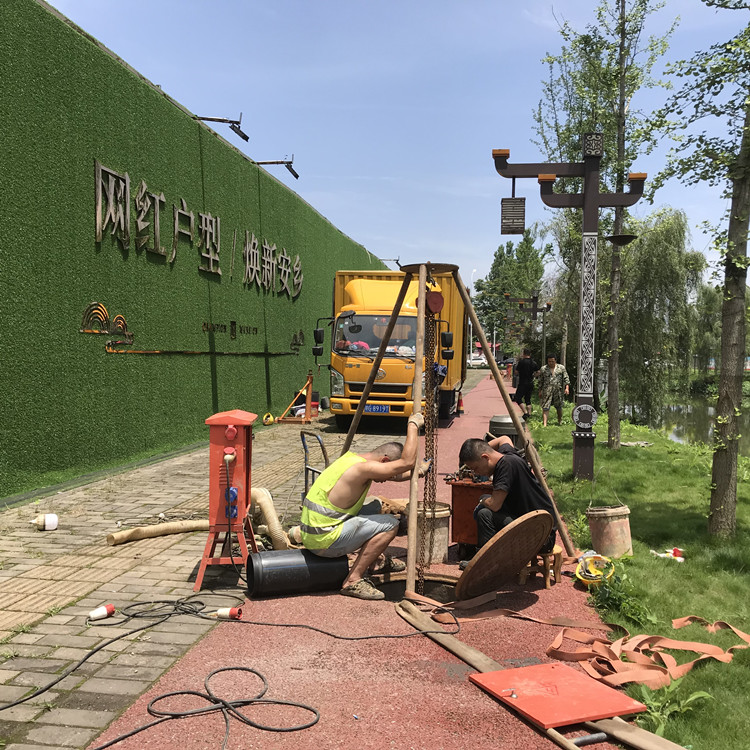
[529, 446]
[416, 392]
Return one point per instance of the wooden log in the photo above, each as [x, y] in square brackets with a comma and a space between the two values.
[632, 735]
[423, 622]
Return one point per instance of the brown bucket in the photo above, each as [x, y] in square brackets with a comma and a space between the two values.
[610, 530]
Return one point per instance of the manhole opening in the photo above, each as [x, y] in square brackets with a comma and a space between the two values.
[441, 589]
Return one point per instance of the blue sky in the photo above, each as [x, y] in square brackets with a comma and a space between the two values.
[391, 108]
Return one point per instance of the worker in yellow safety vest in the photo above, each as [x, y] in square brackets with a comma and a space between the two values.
[337, 520]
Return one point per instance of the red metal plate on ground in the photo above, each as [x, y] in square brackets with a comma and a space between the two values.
[556, 695]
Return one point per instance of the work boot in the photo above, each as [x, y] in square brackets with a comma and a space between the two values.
[362, 589]
[389, 565]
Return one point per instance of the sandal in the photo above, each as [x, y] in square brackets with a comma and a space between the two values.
[362, 589]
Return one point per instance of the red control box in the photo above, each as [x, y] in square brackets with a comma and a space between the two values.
[229, 484]
[464, 498]
[230, 453]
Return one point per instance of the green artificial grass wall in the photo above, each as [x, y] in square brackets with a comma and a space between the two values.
[67, 403]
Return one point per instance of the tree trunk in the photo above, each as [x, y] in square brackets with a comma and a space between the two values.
[722, 519]
[613, 366]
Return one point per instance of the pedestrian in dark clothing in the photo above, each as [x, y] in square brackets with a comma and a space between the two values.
[526, 369]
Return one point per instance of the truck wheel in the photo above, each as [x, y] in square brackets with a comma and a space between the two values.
[343, 422]
[447, 405]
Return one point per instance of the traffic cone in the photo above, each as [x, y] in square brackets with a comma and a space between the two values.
[460, 407]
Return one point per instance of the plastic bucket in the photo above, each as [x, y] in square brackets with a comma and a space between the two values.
[610, 530]
[294, 571]
[502, 424]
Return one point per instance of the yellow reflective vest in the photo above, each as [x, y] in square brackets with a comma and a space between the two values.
[321, 521]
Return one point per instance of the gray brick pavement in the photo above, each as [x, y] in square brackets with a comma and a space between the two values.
[49, 581]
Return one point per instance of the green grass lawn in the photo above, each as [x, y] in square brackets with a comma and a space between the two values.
[667, 488]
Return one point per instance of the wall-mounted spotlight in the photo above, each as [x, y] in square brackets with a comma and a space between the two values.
[234, 125]
[286, 162]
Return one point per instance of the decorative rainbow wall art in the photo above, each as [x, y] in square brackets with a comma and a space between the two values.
[96, 320]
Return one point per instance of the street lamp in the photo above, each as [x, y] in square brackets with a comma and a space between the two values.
[234, 125]
[534, 310]
[589, 200]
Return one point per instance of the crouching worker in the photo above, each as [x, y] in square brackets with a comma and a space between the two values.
[337, 522]
[515, 489]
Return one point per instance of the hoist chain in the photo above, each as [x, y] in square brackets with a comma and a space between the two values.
[426, 526]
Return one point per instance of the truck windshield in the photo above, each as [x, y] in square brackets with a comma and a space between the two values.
[402, 343]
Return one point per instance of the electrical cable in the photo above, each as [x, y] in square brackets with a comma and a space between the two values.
[226, 707]
[160, 610]
[181, 606]
[362, 637]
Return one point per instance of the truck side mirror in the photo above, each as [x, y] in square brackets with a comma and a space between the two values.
[356, 328]
[317, 351]
[319, 335]
[447, 354]
[446, 339]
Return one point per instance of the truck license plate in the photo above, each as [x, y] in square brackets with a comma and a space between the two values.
[377, 408]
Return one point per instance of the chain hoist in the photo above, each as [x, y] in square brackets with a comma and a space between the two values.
[426, 526]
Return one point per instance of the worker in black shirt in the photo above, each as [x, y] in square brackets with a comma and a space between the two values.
[515, 489]
[526, 369]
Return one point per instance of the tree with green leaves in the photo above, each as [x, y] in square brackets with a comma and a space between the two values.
[591, 85]
[707, 326]
[662, 275]
[709, 117]
[516, 271]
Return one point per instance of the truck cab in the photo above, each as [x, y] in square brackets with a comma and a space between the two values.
[364, 302]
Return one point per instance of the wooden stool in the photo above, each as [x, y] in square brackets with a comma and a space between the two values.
[546, 564]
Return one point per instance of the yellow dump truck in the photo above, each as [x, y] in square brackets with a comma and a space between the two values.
[363, 302]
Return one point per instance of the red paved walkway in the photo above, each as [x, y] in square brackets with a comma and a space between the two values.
[397, 693]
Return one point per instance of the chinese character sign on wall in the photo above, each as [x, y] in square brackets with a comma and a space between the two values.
[266, 267]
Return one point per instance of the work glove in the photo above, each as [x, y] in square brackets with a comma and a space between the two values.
[418, 420]
[424, 467]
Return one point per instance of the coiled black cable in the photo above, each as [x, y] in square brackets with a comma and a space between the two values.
[228, 709]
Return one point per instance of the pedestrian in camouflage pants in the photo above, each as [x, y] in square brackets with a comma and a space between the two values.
[554, 384]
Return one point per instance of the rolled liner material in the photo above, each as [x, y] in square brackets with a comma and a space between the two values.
[263, 499]
[159, 529]
[294, 571]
